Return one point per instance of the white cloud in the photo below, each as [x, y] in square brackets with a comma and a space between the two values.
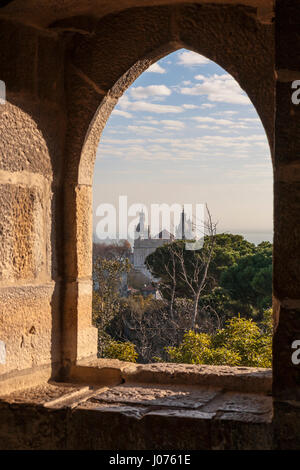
[151, 91]
[107, 140]
[254, 120]
[155, 144]
[149, 120]
[189, 106]
[126, 104]
[221, 113]
[207, 105]
[206, 126]
[200, 77]
[144, 129]
[190, 58]
[156, 68]
[119, 112]
[221, 122]
[154, 108]
[218, 88]
[174, 125]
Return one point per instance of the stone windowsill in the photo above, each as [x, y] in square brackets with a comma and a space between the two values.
[155, 406]
[241, 379]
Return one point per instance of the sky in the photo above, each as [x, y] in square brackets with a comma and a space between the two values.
[185, 132]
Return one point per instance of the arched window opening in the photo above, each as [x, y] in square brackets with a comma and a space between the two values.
[183, 140]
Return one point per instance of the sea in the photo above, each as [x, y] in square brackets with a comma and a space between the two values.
[256, 237]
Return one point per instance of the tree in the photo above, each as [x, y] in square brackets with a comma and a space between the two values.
[106, 296]
[250, 279]
[239, 278]
[241, 343]
[219, 304]
[115, 250]
[228, 249]
[180, 269]
[124, 351]
[137, 280]
[147, 323]
[170, 269]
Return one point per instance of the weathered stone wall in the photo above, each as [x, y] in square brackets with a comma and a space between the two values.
[286, 256]
[180, 407]
[32, 124]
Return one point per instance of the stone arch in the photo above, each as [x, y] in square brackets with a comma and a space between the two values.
[101, 66]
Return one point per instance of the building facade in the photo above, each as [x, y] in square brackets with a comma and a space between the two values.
[144, 244]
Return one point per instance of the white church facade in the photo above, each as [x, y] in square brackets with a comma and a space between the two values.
[144, 244]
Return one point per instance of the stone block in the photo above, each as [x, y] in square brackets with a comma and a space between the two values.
[22, 233]
[87, 341]
[31, 136]
[78, 226]
[29, 327]
[84, 231]
[80, 337]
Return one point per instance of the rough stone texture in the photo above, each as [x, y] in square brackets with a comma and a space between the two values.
[79, 336]
[160, 417]
[52, 10]
[231, 378]
[78, 246]
[286, 203]
[22, 254]
[159, 396]
[32, 127]
[2, 352]
[42, 394]
[287, 425]
[30, 135]
[30, 328]
[286, 240]
[86, 165]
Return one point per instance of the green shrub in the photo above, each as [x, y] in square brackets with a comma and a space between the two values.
[192, 348]
[241, 343]
[122, 351]
[221, 356]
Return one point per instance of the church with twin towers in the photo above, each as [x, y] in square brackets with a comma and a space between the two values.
[144, 244]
